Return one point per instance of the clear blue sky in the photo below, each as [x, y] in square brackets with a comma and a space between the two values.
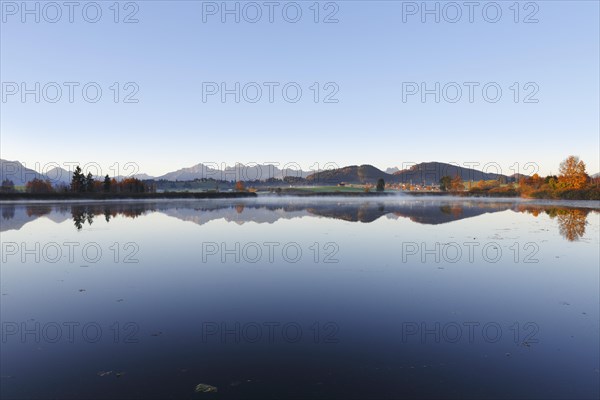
[368, 54]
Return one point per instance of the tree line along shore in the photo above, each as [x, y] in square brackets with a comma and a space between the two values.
[572, 183]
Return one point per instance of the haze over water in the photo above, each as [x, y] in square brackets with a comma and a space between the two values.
[307, 298]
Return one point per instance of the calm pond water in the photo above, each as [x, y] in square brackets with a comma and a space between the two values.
[300, 298]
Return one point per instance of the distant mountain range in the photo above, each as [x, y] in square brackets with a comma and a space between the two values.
[239, 172]
[427, 172]
[20, 174]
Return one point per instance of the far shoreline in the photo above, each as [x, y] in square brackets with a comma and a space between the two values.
[40, 198]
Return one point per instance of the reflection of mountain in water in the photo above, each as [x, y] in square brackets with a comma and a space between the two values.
[571, 221]
[239, 214]
[14, 217]
[415, 211]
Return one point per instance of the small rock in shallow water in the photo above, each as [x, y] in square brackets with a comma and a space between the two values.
[204, 388]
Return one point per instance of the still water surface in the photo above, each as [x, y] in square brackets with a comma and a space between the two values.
[300, 298]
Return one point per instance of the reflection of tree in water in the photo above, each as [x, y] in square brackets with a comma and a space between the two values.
[89, 218]
[81, 214]
[38, 211]
[8, 212]
[132, 212]
[62, 208]
[571, 221]
[454, 210]
[107, 215]
[86, 213]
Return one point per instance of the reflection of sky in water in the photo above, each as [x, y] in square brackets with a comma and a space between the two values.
[378, 286]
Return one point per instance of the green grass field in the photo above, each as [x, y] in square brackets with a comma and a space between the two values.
[329, 189]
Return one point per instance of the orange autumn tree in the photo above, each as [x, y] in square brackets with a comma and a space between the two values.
[132, 185]
[572, 174]
[457, 184]
[527, 185]
[39, 186]
[239, 186]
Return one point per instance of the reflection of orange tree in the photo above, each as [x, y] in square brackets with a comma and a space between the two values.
[571, 223]
[455, 210]
[132, 213]
[38, 211]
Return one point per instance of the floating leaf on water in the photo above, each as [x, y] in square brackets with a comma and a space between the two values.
[104, 373]
[204, 388]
